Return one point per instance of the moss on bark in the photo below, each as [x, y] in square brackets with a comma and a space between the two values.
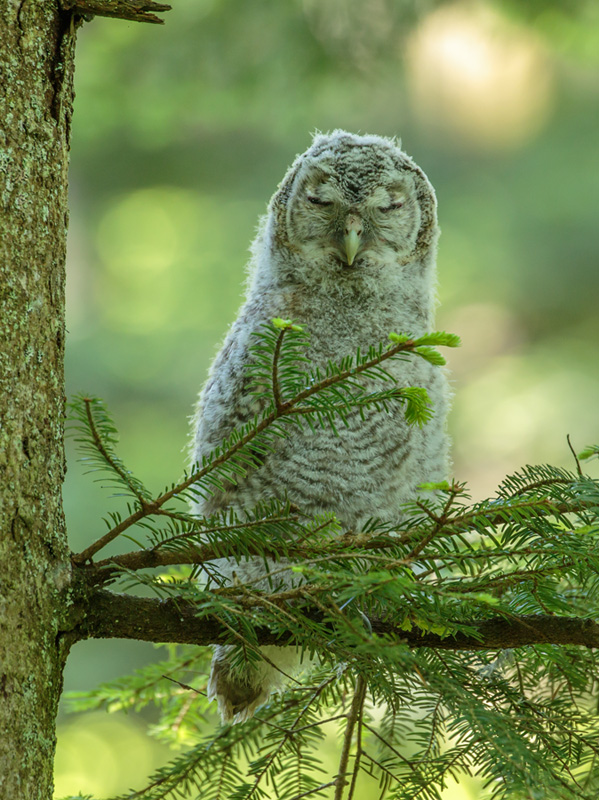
[36, 70]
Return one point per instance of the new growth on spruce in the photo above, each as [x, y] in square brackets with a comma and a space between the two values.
[461, 640]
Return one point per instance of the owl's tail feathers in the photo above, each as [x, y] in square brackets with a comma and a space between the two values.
[240, 693]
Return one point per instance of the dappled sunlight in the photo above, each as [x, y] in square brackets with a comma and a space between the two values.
[478, 76]
[141, 239]
[148, 230]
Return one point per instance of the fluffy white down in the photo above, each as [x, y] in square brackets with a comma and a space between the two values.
[299, 271]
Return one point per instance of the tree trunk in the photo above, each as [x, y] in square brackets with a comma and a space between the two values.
[36, 70]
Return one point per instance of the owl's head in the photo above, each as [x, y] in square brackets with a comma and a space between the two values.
[352, 206]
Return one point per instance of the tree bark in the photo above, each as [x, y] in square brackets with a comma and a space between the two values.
[36, 71]
[101, 614]
[133, 10]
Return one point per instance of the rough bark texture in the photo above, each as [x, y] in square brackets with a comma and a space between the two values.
[101, 614]
[134, 10]
[36, 64]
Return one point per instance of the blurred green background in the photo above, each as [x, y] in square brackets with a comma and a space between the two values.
[181, 134]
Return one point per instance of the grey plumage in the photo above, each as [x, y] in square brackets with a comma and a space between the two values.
[348, 249]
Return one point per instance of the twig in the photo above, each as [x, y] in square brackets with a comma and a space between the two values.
[99, 445]
[182, 714]
[132, 10]
[289, 734]
[433, 733]
[316, 789]
[197, 554]
[573, 451]
[440, 521]
[185, 686]
[502, 581]
[394, 750]
[276, 389]
[255, 523]
[541, 483]
[352, 719]
[245, 643]
[359, 750]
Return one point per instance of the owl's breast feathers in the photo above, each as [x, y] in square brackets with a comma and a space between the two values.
[369, 467]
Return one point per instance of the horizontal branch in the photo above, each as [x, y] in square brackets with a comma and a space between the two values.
[111, 615]
[158, 556]
[133, 10]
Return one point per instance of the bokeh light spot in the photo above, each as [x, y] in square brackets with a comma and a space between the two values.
[478, 77]
[147, 230]
[165, 257]
[89, 755]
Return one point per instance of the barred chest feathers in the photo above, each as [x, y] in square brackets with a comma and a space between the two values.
[348, 249]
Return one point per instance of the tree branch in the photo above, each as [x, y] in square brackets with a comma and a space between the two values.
[133, 10]
[112, 462]
[276, 389]
[198, 553]
[103, 614]
[287, 409]
[157, 557]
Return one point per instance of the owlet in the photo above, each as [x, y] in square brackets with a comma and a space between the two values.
[347, 249]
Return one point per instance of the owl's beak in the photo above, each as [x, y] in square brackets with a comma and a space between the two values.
[351, 243]
[351, 238]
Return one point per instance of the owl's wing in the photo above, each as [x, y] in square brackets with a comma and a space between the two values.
[227, 401]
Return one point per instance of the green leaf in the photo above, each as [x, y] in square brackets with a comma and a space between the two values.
[439, 339]
[399, 338]
[439, 486]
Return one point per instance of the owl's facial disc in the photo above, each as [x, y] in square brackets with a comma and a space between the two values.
[358, 222]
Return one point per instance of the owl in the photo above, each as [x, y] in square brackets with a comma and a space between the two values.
[348, 250]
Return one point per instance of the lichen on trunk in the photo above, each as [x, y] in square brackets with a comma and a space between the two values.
[36, 70]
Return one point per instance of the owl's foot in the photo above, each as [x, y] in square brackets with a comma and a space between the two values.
[240, 692]
[237, 696]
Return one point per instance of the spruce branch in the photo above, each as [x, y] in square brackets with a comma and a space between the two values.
[181, 549]
[574, 456]
[114, 463]
[395, 752]
[439, 520]
[238, 442]
[415, 614]
[276, 389]
[104, 614]
[288, 735]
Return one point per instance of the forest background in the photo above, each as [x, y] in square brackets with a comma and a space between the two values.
[181, 134]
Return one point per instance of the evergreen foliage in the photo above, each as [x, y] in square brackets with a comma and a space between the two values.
[410, 717]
